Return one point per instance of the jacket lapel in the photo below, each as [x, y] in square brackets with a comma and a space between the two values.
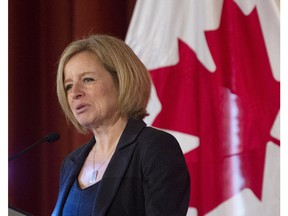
[117, 166]
[74, 164]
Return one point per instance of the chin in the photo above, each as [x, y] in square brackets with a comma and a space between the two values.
[88, 124]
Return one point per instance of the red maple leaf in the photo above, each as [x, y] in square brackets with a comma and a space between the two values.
[198, 102]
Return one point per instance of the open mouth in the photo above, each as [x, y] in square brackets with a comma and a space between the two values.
[81, 108]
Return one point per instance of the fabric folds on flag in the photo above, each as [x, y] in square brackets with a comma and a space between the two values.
[216, 88]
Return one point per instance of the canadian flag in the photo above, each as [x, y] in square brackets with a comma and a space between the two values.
[216, 88]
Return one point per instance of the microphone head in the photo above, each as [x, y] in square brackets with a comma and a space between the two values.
[52, 137]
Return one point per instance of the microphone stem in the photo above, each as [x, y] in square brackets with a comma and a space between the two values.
[13, 157]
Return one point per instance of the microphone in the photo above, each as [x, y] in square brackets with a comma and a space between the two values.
[51, 137]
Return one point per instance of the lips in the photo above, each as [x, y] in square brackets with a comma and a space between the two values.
[81, 108]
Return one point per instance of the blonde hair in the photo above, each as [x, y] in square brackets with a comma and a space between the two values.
[130, 76]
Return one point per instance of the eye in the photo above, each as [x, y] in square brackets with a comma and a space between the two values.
[68, 87]
[88, 79]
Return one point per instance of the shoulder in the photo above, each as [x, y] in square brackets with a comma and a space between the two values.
[154, 135]
[160, 155]
[153, 141]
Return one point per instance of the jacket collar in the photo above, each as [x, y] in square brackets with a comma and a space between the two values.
[114, 172]
[130, 133]
[74, 162]
[117, 167]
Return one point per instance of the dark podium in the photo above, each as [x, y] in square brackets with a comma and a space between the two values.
[17, 212]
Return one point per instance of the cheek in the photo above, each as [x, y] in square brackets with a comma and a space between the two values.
[111, 93]
[69, 102]
[106, 91]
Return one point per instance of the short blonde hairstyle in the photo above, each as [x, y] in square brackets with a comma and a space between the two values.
[130, 76]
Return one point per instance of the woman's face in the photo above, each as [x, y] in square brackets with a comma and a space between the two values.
[90, 90]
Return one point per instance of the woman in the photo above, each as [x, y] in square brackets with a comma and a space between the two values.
[126, 168]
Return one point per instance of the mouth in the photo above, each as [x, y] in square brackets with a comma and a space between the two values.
[81, 108]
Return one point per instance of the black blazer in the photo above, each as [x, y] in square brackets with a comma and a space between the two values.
[146, 176]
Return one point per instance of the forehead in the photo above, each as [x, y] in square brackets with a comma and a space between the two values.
[83, 57]
[82, 62]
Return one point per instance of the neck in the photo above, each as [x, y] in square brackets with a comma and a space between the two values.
[108, 136]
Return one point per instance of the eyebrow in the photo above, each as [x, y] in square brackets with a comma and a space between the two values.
[81, 75]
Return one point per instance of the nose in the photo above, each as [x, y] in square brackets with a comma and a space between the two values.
[77, 91]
